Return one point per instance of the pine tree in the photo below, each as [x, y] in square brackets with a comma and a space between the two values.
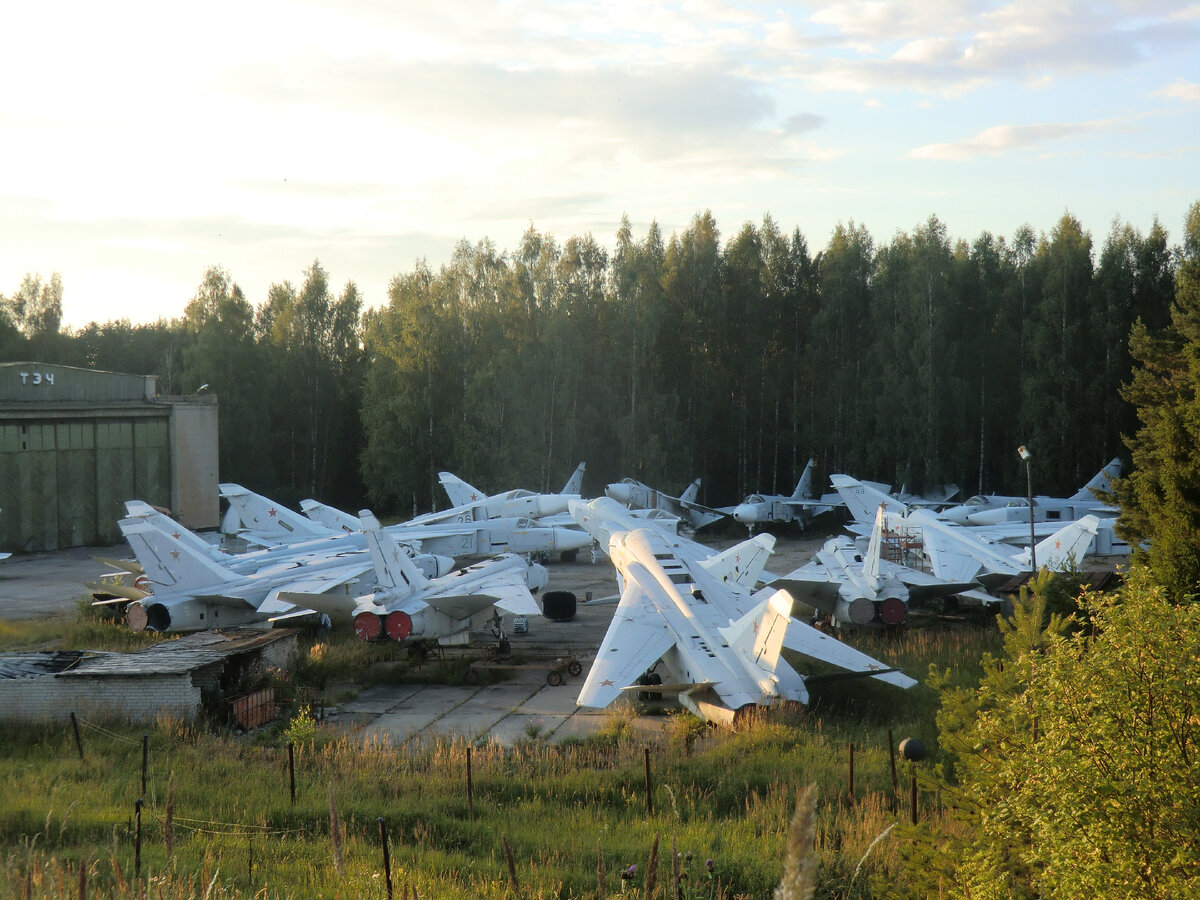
[1160, 499]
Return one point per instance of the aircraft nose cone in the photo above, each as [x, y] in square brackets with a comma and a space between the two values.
[745, 513]
[570, 539]
[619, 492]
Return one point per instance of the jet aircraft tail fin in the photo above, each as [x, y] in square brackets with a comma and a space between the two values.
[803, 489]
[167, 561]
[257, 513]
[693, 491]
[393, 567]
[330, 517]
[874, 549]
[574, 484]
[137, 509]
[459, 492]
[1101, 481]
[1065, 547]
[742, 564]
[864, 499]
[757, 637]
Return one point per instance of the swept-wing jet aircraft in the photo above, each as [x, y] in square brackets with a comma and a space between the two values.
[863, 498]
[801, 506]
[695, 612]
[463, 494]
[193, 592]
[256, 560]
[960, 553]
[268, 523]
[863, 589]
[407, 604]
[633, 494]
[996, 509]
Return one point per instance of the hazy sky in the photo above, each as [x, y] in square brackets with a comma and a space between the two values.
[142, 144]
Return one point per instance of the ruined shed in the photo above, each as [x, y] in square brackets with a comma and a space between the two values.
[172, 678]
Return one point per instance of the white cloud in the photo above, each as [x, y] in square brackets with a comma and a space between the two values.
[1181, 89]
[1003, 138]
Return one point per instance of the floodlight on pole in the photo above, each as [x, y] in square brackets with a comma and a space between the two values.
[1024, 453]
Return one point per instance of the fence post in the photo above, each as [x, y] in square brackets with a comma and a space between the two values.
[649, 791]
[892, 755]
[387, 860]
[852, 771]
[137, 839]
[145, 758]
[470, 789]
[78, 739]
[292, 771]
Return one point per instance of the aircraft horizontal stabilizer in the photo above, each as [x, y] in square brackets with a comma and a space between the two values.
[807, 641]
[121, 593]
[125, 565]
[339, 607]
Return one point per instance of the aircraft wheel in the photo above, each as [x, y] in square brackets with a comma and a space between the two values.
[554, 678]
[505, 647]
[574, 667]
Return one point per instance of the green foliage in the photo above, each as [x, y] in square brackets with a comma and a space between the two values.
[729, 800]
[302, 728]
[1070, 769]
[1160, 499]
[734, 358]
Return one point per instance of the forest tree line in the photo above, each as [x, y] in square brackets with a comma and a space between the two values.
[919, 361]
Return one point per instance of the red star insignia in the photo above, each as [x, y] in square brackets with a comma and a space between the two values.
[271, 512]
[474, 496]
[607, 682]
[175, 534]
[1058, 545]
[756, 627]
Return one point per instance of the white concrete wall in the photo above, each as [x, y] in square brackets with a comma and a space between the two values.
[194, 461]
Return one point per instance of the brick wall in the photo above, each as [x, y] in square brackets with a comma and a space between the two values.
[53, 698]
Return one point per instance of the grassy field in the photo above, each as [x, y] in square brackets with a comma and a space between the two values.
[218, 819]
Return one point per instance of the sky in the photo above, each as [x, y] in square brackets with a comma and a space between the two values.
[143, 144]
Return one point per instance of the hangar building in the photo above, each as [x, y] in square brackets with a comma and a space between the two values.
[75, 444]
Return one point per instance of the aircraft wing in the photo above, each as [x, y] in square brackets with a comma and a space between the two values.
[812, 585]
[922, 585]
[636, 639]
[807, 641]
[314, 586]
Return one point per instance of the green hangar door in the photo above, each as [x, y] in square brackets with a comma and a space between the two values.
[65, 483]
[75, 444]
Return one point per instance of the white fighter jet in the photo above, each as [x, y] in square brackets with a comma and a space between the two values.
[113, 590]
[696, 613]
[863, 589]
[406, 604]
[632, 494]
[960, 553]
[267, 523]
[463, 494]
[802, 506]
[190, 591]
[996, 509]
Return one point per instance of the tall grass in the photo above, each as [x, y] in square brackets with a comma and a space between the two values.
[572, 813]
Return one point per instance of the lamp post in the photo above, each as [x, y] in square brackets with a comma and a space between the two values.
[1023, 452]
